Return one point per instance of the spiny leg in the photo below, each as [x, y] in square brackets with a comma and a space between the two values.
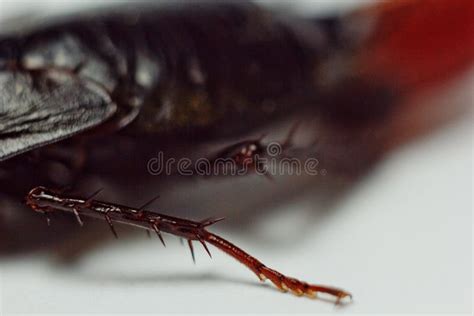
[40, 197]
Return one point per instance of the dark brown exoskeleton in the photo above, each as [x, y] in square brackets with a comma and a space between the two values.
[195, 72]
[98, 94]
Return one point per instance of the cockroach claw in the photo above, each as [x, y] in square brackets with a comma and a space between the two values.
[297, 287]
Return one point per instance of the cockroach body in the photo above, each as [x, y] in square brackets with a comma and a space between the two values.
[196, 73]
[202, 69]
[159, 72]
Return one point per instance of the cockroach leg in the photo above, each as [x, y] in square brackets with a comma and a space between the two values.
[44, 201]
[246, 155]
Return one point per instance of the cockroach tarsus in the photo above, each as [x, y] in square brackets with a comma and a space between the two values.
[46, 201]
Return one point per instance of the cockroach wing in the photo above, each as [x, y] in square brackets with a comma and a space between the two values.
[41, 108]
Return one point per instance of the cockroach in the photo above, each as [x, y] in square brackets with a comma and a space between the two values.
[93, 93]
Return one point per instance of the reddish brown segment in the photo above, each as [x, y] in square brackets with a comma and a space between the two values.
[45, 201]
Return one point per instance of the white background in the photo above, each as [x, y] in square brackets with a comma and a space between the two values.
[401, 241]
